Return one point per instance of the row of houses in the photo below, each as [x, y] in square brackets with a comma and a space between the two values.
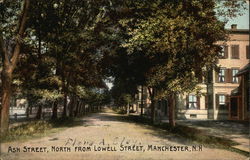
[225, 93]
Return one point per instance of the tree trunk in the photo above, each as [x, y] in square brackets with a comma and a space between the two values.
[65, 88]
[65, 101]
[9, 61]
[152, 98]
[54, 111]
[84, 109]
[30, 109]
[88, 109]
[171, 102]
[137, 108]
[77, 108]
[72, 106]
[39, 112]
[80, 108]
[6, 96]
[153, 110]
[128, 109]
[141, 100]
[27, 113]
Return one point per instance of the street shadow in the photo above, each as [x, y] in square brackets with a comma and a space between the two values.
[181, 134]
[143, 122]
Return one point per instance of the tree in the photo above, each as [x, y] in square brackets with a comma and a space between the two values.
[63, 35]
[66, 48]
[73, 38]
[178, 39]
[10, 46]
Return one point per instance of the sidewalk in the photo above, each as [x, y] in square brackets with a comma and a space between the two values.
[233, 130]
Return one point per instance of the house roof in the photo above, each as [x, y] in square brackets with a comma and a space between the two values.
[235, 30]
[244, 70]
[239, 31]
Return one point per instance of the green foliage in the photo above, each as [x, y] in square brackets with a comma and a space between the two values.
[26, 130]
[178, 39]
[123, 94]
[35, 129]
[48, 95]
[62, 51]
[97, 97]
[9, 16]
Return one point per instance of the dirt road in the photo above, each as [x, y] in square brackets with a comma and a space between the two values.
[104, 136]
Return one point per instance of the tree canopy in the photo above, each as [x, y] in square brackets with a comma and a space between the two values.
[53, 50]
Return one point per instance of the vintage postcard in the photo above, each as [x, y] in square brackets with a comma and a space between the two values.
[124, 80]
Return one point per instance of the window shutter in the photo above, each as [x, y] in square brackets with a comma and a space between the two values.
[198, 102]
[217, 101]
[217, 77]
[247, 52]
[232, 52]
[206, 101]
[226, 52]
[237, 51]
[227, 101]
[187, 101]
[229, 76]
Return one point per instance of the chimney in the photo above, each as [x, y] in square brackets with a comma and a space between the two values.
[234, 26]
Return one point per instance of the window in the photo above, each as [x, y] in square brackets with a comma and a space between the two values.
[224, 52]
[235, 51]
[222, 100]
[192, 102]
[235, 78]
[222, 75]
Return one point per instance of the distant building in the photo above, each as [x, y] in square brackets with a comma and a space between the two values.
[222, 98]
[18, 106]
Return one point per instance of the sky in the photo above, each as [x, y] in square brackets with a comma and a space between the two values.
[242, 21]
